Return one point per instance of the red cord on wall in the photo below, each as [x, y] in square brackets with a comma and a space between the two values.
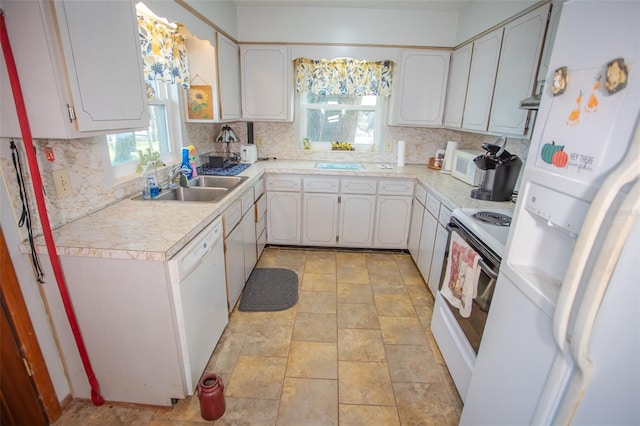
[25, 129]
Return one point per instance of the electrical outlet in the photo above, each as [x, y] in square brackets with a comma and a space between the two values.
[388, 145]
[63, 182]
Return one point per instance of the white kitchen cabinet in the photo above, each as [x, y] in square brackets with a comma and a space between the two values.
[357, 212]
[482, 77]
[519, 59]
[393, 214]
[439, 249]
[266, 82]
[356, 220]
[284, 209]
[415, 227]
[320, 211]
[80, 68]
[234, 261]
[228, 65]
[261, 224]
[320, 219]
[248, 226]
[427, 240]
[457, 86]
[421, 82]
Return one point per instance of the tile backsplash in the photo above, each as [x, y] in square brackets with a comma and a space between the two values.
[92, 187]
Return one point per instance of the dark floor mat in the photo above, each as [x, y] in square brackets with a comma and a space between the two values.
[270, 289]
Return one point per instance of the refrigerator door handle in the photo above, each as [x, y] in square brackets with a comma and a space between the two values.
[628, 170]
[596, 288]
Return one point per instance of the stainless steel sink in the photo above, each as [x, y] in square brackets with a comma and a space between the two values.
[189, 194]
[207, 181]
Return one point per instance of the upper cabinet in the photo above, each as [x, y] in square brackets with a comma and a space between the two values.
[501, 68]
[228, 78]
[457, 86]
[218, 68]
[266, 79]
[482, 76]
[420, 87]
[516, 79]
[76, 82]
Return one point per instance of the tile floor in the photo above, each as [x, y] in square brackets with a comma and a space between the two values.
[355, 350]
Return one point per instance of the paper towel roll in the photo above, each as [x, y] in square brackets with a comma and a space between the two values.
[448, 156]
[402, 147]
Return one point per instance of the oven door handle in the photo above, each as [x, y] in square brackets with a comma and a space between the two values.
[490, 272]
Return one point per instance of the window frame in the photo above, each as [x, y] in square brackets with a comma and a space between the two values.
[169, 97]
[380, 110]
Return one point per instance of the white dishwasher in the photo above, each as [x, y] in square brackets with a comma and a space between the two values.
[198, 284]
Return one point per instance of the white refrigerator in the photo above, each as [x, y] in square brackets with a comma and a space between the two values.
[562, 339]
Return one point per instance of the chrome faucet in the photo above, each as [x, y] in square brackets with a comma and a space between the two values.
[174, 173]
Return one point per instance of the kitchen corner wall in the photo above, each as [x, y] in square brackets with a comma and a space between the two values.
[92, 190]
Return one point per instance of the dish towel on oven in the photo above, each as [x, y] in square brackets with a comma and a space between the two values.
[460, 283]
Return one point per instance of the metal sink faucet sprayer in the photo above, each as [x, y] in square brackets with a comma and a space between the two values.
[175, 172]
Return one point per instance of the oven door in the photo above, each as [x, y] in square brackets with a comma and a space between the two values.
[489, 263]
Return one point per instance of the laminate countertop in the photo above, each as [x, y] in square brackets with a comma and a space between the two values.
[156, 230]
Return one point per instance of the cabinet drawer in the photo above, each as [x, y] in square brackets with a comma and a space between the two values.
[358, 186]
[232, 216]
[261, 208]
[445, 215]
[283, 183]
[395, 187]
[247, 201]
[421, 194]
[433, 204]
[321, 184]
[258, 189]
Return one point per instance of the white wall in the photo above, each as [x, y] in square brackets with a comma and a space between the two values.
[480, 15]
[29, 286]
[344, 25]
[222, 13]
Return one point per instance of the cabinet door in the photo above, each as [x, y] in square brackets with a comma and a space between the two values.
[234, 262]
[437, 260]
[228, 78]
[283, 219]
[393, 216]
[427, 240]
[415, 229]
[457, 86]
[320, 219]
[356, 220]
[516, 78]
[482, 77]
[102, 53]
[421, 85]
[266, 82]
[248, 225]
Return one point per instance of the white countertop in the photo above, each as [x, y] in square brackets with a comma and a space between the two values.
[157, 230]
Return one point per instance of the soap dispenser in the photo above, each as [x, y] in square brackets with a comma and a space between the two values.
[150, 188]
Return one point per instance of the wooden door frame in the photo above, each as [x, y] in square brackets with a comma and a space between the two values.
[12, 295]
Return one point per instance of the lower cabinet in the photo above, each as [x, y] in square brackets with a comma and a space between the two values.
[356, 220]
[234, 259]
[332, 211]
[393, 216]
[320, 221]
[427, 240]
[437, 261]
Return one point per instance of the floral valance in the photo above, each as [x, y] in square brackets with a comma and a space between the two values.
[344, 76]
[164, 52]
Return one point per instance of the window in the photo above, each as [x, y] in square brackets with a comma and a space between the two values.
[345, 118]
[129, 150]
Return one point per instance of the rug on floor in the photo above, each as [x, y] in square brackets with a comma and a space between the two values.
[270, 289]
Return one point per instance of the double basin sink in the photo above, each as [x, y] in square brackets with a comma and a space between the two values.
[202, 188]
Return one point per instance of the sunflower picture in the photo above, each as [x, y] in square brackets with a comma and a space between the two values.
[200, 103]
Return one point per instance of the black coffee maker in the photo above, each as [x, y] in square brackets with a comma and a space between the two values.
[501, 170]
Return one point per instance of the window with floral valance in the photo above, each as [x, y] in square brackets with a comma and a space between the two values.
[344, 76]
[164, 52]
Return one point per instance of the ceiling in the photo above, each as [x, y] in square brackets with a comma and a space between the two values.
[435, 5]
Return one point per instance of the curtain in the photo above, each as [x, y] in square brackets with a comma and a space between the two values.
[344, 76]
[164, 53]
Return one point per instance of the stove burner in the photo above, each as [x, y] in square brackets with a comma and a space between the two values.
[492, 218]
